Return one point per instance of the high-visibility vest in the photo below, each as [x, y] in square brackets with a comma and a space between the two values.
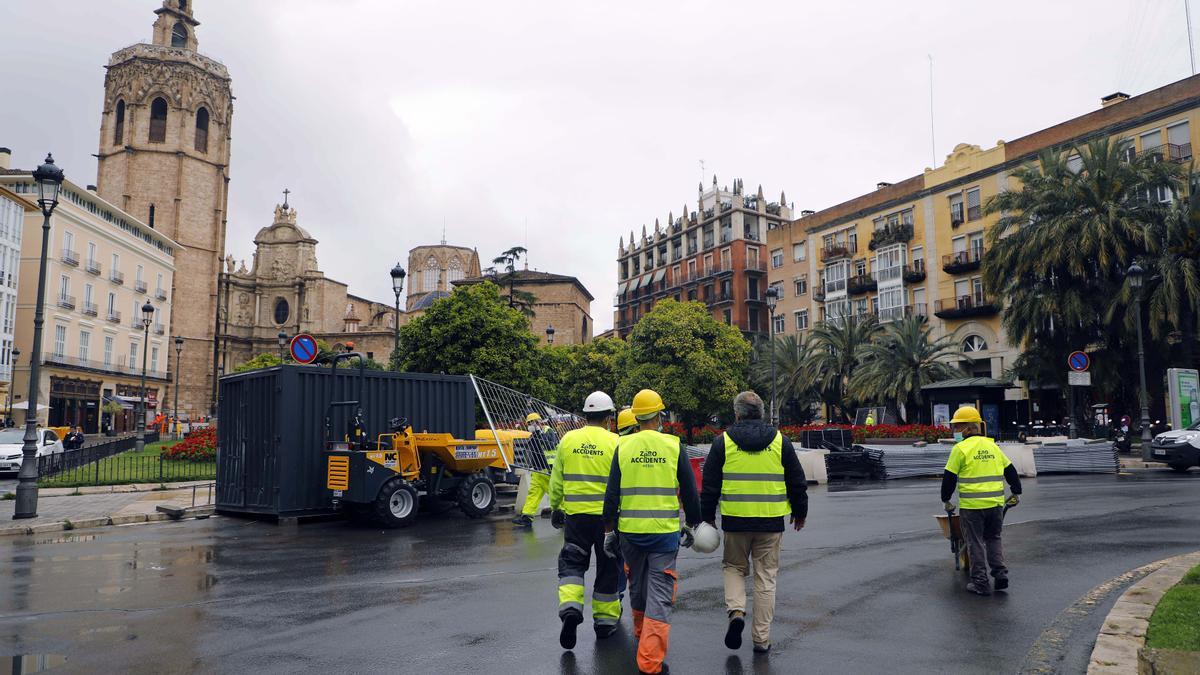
[649, 463]
[752, 485]
[585, 458]
[980, 465]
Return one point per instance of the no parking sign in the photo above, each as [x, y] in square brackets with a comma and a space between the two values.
[304, 348]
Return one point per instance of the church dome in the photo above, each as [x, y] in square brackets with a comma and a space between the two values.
[428, 299]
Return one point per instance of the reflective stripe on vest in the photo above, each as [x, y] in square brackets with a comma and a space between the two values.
[649, 463]
[585, 457]
[752, 484]
[981, 479]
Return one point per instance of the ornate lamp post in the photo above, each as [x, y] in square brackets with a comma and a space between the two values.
[283, 341]
[49, 179]
[1135, 274]
[12, 362]
[772, 301]
[178, 353]
[147, 319]
[550, 334]
[398, 275]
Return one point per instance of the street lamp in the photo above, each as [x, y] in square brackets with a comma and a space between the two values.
[12, 369]
[550, 334]
[772, 301]
[283, 340]
[147, 318]
[49, 179]
[398, 275]
[1135, 274]
[178, 353]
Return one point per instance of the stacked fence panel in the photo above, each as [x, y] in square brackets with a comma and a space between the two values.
[1077, 456]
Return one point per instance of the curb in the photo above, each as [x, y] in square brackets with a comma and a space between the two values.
[68, 525]
[1123, 632]
[110, 489]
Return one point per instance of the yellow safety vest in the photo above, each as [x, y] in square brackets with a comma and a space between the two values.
[649, 463]
[752, 485]
[979, 464]
[585, 457]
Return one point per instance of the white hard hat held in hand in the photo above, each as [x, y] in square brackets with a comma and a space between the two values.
[707, 538]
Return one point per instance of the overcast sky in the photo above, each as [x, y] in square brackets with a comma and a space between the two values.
[563, 125]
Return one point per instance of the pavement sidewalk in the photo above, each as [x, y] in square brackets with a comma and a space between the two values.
[105, 506]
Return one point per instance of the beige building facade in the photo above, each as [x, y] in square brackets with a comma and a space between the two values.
[432, 271]
[559, 300]
[164, 158]
[12, 224]
[102, 267]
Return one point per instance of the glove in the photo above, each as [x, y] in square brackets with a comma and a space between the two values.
[949, 506]
[558, 519]
[686, 537]
[1013, 500]
[610, 544]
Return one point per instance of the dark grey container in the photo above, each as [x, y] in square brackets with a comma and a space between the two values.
[270, 429]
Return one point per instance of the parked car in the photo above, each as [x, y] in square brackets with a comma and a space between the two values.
[1179, 449]
[11, 441]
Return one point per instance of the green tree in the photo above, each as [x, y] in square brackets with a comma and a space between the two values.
[793, 386]
[694, 362]
[833, 356]
[900, 360]
[521, 300]
[472, 332]
[263, 360]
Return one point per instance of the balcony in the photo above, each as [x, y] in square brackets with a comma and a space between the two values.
[66, 301]
[120, 367]
[114, 316]
[914, 272]
[896, 313]
[836, 251]
[891, 234]
[861, 283]
[756, 266]
[917, 309]
[89, 308]
[963, 261]
[720, 298]
[965, 306]
[956, 215]
[139, 286]
[160, 329]
[161, 294]
[116, 277]
[70, 257]
[818, 296]
[1170, 151]
[92, 267]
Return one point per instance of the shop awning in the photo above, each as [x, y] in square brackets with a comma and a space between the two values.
[124, 402]
[633, 285]
[621, 287]
[658, 276]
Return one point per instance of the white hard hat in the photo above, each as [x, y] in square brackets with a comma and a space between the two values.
[707, 538]
[598, 401]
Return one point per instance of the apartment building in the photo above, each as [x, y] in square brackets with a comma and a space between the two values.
[714, 254]
[103, 265]
[12, 215]
[916, 247]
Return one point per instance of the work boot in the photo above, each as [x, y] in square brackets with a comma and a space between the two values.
[762, 649]
[1001, 583]
[733, 634]
[570, 621]
[523, 520]
[605, 630]
[978, 590]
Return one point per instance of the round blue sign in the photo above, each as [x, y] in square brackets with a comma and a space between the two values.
[1079, 361]
[304, 348]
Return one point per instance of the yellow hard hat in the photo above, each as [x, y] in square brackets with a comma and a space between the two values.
[647, 402]
[967, 413]
[625, 419]
[533, 417]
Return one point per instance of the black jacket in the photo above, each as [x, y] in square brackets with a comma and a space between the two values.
[752, 436]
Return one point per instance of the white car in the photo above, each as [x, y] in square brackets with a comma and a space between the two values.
[11, 441]
[1179, 449]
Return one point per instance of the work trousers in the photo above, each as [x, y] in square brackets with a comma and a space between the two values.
[583, 537]
[981, 529]
[763, 549]
[652, 586]
[539, 486]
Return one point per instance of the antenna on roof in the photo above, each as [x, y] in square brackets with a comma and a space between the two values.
[443, 230]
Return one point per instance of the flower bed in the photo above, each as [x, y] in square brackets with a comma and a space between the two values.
[923, 432]
[199, 446]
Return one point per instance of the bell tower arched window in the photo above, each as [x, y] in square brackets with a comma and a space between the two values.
[179, 35]
[429, 277]
[158, 120]
[119, 124]
[456, 271]
[202, 130]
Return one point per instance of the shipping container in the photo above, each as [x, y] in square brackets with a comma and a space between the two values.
[270, 428]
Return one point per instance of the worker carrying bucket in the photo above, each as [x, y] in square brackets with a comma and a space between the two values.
[979, 469]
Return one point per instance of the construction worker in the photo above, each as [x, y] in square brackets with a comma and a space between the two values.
[650, 478]
[626, 423]
[870, 419]
[753, 471]
[978, 468]
[541, 439]
[577, 486]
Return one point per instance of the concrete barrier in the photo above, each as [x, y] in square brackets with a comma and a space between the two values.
[1021, 455]
[813, 463]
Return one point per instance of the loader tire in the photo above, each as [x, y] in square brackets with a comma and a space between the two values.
[477, 495]
[396, 505]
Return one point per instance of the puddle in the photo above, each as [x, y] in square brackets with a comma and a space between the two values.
[66, 539]
[30, 663]
[108, 590]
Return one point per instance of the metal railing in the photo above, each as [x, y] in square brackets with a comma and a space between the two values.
[114, 316]
[89, 308]
[139, 286]
[116, 277]
[92, 267]
[70, 257]
[159, 329]
[120, 367]
[108, 464]
[160, 294]
[968, 259]
[834, 251]
[66, 301]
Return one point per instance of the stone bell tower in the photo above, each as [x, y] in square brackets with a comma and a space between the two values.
[164, 157]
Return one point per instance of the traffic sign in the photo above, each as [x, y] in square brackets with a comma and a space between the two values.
[1078, 379]
[1079, 362]
[304, 348]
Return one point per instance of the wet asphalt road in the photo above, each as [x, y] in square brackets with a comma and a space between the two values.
[868, 587]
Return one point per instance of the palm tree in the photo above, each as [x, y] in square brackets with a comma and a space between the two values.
[901, 360]
[833, 355]
[792, 385]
